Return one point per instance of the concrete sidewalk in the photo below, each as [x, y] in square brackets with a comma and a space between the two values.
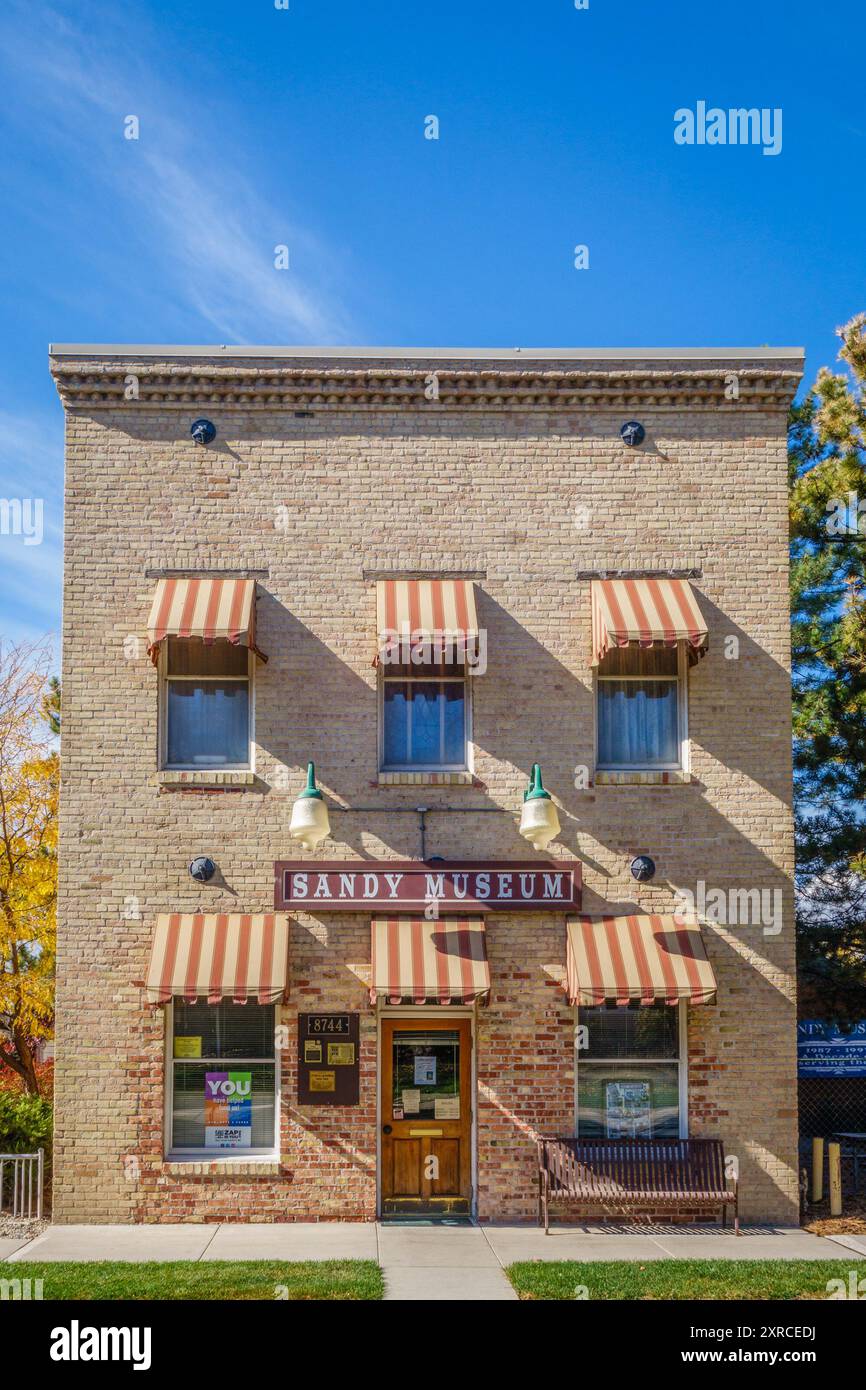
[427, 1263]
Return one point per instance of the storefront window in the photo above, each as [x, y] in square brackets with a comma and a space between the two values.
[628, 1073]
[640, 708]
[207, 705]
[423, 723]
[223, 1079]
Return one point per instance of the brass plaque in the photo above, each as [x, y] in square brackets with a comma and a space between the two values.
[313, 1051]
[323, 1081]
[341, 1054]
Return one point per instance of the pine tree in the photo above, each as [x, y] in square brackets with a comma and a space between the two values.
[828, 603]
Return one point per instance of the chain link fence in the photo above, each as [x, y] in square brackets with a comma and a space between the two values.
[832, 1105]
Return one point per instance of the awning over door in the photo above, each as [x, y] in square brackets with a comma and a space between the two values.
[421, 962]
[621, 960]
[207, 608]
[229, 955]
[647, 612]
[437, 612]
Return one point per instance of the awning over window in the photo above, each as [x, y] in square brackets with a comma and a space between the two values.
[206, 608]
[438, 614]
[436, 962]
[228, 955]
[620, 960]
[646, 612]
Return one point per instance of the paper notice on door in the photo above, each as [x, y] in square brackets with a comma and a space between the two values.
[412, 1102]
[425, 1071]
[446, 1108]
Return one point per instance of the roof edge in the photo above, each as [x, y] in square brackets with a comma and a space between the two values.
[624, 354]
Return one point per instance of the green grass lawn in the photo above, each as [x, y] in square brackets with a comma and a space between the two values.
[218, 1279]
[680, 1279]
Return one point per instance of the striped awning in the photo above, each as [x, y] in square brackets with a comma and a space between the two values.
[648, 612]
[416, 961]
[438, 614]
[212, 609]
[229, 955]
[646, 960]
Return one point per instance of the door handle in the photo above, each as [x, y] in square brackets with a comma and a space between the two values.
[386, 1129]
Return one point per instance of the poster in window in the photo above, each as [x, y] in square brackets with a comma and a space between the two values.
[628, 1106]
[228, 1109]
[425, 1071]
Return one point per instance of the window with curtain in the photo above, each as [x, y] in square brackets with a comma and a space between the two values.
[424, 719]
[223, 1078]
[207, 705]
[628, 1072]
[640, 708]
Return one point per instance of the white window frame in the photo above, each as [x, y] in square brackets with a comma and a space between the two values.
[682, 682]
[681, 1059]
[466, 764]
[189, 1155]
[164, 678]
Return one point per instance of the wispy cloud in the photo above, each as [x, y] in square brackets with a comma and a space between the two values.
[197, 216]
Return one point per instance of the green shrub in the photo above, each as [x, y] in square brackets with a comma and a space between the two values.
[25, 1123]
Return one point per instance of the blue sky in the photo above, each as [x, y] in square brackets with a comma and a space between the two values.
[304, 127]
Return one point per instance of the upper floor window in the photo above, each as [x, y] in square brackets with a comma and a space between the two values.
[642, 708]
[424, 719]
[206, 704]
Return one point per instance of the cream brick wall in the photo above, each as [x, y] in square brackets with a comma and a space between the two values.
[398, 483]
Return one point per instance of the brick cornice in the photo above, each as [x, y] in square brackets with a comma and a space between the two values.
[184, 385]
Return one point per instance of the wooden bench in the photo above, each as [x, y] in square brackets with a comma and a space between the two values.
[624, 1174]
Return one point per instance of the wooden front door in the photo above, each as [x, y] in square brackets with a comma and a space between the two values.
[426, 1079]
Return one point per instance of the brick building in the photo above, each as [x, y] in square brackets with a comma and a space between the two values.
[424, 572]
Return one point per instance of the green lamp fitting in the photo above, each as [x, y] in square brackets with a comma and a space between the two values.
[536, 786]
[311, 789]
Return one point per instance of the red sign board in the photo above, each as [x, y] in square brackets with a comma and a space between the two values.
[402, 887]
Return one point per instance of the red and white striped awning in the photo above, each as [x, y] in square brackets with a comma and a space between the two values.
[211, 609]
[621, 960]
[227, 955]
[648, 612]
[416, 961]
[439, 613]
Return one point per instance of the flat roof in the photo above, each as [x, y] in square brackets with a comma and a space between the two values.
[720, 354]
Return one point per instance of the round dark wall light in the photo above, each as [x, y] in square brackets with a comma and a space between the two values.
[643, 868]
[202, 869]
[633, 433]
[203, 431]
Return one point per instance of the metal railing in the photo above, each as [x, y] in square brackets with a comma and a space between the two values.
[22, 1178]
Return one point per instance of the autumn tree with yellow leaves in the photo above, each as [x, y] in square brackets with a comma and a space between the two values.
[29, 789]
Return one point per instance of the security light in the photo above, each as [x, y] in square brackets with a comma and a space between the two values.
[633, 433]
[203, 431]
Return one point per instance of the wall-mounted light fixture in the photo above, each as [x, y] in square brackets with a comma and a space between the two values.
[633, 433]
[539, 822]
[310, 823]
[643, 868]
[203, 431]
[202, 869]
